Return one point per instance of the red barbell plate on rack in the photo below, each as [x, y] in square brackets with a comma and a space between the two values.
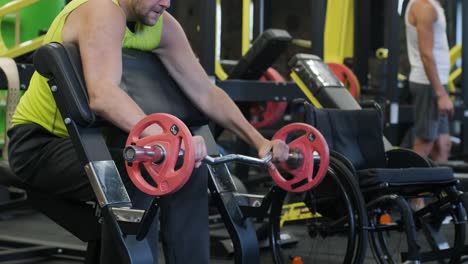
[268, 113]
[304, 177]
[347, 77]
[175, 136]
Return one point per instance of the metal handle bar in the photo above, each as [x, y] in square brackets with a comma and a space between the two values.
[238, 158]
[157, 154]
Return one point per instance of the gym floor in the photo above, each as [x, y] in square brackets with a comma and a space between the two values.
[34, 227]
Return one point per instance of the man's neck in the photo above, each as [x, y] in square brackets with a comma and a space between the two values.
[131, 25]
[126, 8]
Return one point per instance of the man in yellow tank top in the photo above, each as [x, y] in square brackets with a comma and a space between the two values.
[42, 154]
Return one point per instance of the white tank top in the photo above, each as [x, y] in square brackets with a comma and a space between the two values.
[440, 49]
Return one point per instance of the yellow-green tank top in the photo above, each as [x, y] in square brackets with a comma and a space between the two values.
[37, 105]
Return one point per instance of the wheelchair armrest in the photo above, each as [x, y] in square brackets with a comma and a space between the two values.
[405, 158]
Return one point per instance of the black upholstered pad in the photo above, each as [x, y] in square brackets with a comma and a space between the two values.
[405, 177]
[63, 63]
[356, 134]
[147, 81]
[263, 53]
[144, 78]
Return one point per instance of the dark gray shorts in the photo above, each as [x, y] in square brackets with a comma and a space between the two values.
[428, 123]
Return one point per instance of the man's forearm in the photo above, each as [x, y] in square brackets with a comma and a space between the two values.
[225, 112]
[120, 110]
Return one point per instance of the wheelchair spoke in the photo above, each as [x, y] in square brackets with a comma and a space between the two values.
[331, 234]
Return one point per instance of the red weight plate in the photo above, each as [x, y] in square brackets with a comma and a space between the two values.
[311, 141]
[347, 77]
[175, 135]
[267, 114]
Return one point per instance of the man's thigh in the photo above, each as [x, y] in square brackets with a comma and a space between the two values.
[47, 163]
[426, 113]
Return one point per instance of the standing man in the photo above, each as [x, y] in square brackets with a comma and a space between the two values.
[428, 53]
[41, 152]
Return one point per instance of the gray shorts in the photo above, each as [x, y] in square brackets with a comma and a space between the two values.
[428, 123]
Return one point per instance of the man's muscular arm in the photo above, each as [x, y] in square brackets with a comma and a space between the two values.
[179, 59]
[425, 16]
[98, 28]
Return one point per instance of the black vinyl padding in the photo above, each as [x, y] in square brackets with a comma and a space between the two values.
[62, 63]
[322, 82]
[144, 78]
[405, 176]
[148, 82]
[265, 50]
[357, 135]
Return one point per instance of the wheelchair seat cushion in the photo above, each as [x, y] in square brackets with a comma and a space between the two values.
[405, 177]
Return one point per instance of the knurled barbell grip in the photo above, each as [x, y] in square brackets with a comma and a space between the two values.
[154, 153]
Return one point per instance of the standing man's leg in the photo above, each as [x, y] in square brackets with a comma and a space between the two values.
[422, 146]
[442, 147]
[443, 143]
[426, 125]
[426, 118]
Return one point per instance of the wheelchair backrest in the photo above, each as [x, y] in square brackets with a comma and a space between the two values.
[356, 134]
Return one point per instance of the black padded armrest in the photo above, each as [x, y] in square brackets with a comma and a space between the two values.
[405, 158]
[263, 53]
[62, 63]
[144, 78]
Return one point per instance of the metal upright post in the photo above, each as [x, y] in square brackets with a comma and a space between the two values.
[392, 42]
[318, 10]
[259, 17]
[208, 36]
[464, 78]
[267, 14]
[361, 40]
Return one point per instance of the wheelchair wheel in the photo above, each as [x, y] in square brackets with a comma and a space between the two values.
[439, 231]
[327, 224]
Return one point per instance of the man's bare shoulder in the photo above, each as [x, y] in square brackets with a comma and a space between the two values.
[423, 10]
[420, 6]
[171, 29]
[106, 8]
[92, 14]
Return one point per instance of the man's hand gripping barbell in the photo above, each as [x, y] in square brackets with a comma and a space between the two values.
[160, 153]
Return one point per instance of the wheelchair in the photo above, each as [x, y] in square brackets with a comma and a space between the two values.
[386, 181]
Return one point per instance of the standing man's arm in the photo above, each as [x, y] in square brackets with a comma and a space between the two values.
[98, 28]
[179, 59]
[424, 16]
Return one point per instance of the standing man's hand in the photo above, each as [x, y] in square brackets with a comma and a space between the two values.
[279, 149]
[445, 105]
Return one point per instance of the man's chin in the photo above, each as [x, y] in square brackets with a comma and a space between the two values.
[150, 22]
